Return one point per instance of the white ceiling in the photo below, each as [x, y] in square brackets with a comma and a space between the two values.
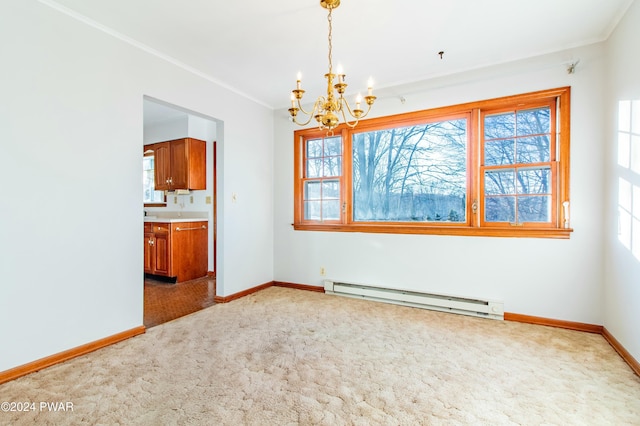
[256, 47]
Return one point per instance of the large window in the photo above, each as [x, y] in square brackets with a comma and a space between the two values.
[323, 161]
[518, 147]
[413, 173]
[497, 167]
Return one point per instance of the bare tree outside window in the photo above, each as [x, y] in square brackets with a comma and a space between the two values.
[517, 176]
[413, 173]
[323, 167]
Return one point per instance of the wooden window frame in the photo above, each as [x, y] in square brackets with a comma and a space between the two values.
[552, 163]
[321, 179]
[475, 224]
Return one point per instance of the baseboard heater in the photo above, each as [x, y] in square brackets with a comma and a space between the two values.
[437, 302]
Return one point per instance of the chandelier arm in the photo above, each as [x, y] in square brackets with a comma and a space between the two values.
[365, 113]
[345, 105]
[311, 114]
[346, 122]
[362, 114]
[295, 120]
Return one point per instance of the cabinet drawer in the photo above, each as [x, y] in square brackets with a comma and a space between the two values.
[188, 226]
[161, 228]
[148, 228]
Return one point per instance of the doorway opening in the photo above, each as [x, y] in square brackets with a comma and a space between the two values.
[165, 300]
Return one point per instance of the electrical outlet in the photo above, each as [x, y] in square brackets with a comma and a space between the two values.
[208, 199]
[175, 200]
[322, 271]
[191, 199]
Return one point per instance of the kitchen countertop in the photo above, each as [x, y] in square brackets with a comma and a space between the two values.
[155, 219]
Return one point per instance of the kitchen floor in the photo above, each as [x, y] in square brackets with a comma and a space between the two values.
[164, 302]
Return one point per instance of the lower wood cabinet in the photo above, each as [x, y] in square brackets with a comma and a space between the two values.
[176, 250]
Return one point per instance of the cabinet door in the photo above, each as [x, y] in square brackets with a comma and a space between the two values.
[149, 253]
[162, 166]
[189, 245]
[162, 249]
[179, 178]
[197, 169]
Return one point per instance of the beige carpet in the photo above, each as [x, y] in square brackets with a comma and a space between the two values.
[288, 357]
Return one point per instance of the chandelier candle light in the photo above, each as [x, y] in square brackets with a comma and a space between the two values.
[326, 110]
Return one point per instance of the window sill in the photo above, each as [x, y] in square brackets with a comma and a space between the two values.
[558, 233]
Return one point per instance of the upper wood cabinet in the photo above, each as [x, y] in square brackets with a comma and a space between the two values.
[180, 164]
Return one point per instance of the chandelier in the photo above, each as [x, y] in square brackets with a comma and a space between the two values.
[326, 110]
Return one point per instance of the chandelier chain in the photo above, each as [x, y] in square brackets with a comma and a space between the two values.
[329, 19]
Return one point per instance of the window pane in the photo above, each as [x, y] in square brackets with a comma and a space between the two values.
[500, 126]
[534, 149]
[498, 182]
[501, 151]
[333, 146]
[322, 200]
[147, 163]
[314, 168]
[332, 166]
[534, 121]
[324, 157]
[534, 209]
[312, 210]
[500, 209]
[314, 148]
[312, 190]
[330, 189]
[415, 173]
[528, 149]
[150, 195]
[331, 210]
[534, 181]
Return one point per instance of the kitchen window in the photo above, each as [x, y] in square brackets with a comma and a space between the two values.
[152, 198]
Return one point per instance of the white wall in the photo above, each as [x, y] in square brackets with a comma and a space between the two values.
[560, 279]
[173, 128]
[70, 142]
[622, 283]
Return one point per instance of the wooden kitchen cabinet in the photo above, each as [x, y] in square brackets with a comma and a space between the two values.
[189, 250]
[176, 250]
[157, 249]
[149, 251]
[180, 164]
